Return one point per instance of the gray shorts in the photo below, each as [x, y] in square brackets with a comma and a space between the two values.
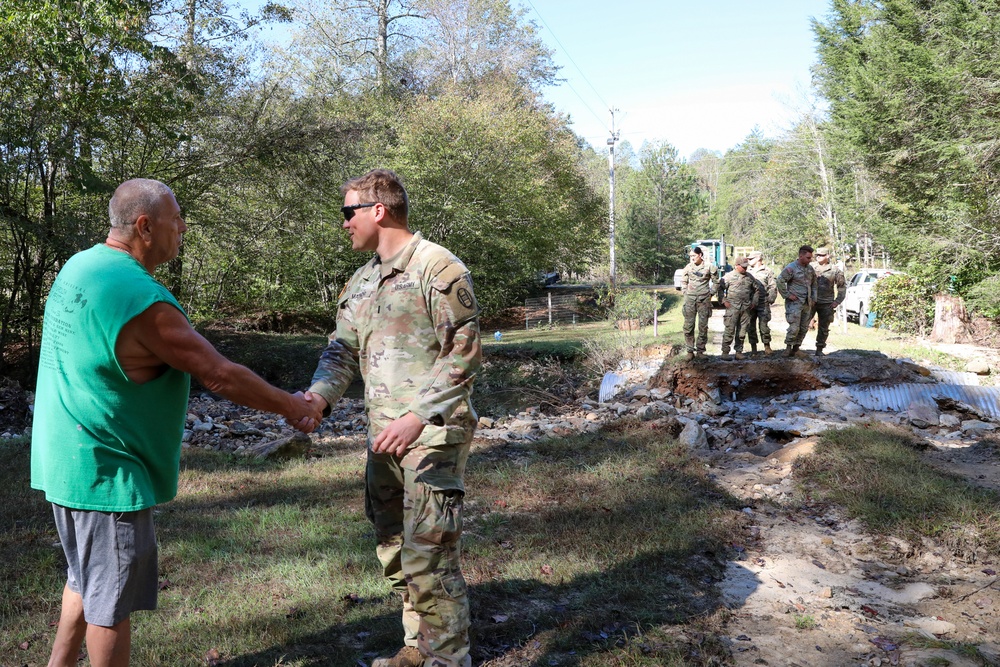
[111, 558]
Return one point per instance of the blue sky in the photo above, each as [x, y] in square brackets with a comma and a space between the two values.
[696, 74]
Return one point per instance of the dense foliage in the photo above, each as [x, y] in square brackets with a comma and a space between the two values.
[662, 202]
[894, 162]
[256, 144]
[912, 88]
[903, 303]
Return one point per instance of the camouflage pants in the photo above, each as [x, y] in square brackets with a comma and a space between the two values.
[760, 318]
[415, 503]
[700, 306]
[826, 313]
[797, 314]
[737, 320]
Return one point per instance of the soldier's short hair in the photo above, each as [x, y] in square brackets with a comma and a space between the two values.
[136, 197]
[381, 186]
[804, 249]
[697, 250]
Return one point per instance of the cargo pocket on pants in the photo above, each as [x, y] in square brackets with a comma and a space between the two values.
[438, 521]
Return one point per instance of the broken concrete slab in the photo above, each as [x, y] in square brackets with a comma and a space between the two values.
[923, 413]
[693, 435]
[799, 426]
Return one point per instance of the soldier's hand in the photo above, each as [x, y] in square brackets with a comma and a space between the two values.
[398, 435]
[791, 297]
[318, 400]
[306, 414]
[726, 304]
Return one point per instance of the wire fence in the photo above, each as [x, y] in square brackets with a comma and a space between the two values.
[560, 309]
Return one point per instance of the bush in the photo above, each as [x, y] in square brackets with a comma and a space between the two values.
[633, 305]
[903, 303]
[984, 298]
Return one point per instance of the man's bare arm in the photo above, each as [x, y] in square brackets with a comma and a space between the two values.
[161, 335]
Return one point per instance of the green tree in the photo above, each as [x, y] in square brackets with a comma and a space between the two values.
[912, 85]
[663, 200]
[72, 73]
[499, 183]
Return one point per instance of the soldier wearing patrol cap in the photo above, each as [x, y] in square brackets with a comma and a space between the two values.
[410, 319]
[828, 277]
[739, 292]
[760, 318]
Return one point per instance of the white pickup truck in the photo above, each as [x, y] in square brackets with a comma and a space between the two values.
[858, 300]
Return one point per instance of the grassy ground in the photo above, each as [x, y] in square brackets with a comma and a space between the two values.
[893, 345]
[582, 338]
[578, 551]
[877, 474]
[597, 550]
[284, 360]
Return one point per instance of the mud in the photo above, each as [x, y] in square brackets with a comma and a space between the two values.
[761, 376]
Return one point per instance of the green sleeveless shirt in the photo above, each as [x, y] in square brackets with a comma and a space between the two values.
[98, 440]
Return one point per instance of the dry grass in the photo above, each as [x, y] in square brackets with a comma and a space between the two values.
[877, 474]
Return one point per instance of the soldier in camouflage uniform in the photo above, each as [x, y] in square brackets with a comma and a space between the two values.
[797, 285]
[409, 319]
[761, 317]
[828, 277]
[697, 284]
[740, 293]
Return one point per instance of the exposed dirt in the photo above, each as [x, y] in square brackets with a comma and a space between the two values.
[762, 376]
[812, 588]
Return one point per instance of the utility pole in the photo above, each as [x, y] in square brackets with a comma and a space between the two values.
[611, 213]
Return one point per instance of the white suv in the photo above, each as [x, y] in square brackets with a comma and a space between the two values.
[858, 301]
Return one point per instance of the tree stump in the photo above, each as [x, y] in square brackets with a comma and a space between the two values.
[951, 321]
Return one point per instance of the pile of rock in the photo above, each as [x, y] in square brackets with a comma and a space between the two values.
[222, 426]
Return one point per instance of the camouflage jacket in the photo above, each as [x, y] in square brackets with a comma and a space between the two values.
[765, 277]
[741, 290]
[699, 279]
[828, 277]
[798, 280]
[411, 325]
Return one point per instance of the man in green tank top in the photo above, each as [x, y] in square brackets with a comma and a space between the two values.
[113, 378]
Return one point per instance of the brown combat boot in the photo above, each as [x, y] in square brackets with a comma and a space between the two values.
[767, 349]
[408, 656]
[739, 355]
[689, 356]
[725, 354]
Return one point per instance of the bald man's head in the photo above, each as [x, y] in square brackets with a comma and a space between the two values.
[134, 198]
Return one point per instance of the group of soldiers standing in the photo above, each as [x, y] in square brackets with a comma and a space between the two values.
[808, 287]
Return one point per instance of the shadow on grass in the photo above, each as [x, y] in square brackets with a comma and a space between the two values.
[570, 567]
[598, 538]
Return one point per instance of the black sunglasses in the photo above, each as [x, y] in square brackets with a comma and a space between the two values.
[348, 211]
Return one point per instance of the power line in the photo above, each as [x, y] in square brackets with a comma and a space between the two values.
[570, 58]
[580, 97]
